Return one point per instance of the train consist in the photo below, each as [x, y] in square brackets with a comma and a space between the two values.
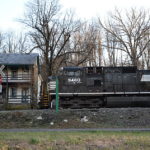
[95, 87]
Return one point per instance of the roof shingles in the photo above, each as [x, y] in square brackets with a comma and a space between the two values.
[18, 59]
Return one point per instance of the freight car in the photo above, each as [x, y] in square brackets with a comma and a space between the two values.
[94, 87]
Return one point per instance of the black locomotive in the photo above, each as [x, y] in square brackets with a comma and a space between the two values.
[94, 87]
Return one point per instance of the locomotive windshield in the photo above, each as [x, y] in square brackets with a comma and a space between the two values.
[73, 73]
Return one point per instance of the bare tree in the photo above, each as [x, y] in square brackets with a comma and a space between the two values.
[85, 46]
[112, 52]
[49, 30]
[15, 43]
[145, 61]
[24, 44]
[1, 42]
[129, 30]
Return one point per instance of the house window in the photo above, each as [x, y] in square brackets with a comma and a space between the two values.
[14, 74]
[25, 70]
[25, 95]
[14, 92]
[25, 73]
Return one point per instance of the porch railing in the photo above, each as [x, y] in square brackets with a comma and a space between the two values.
[17, 77]
[19, 99]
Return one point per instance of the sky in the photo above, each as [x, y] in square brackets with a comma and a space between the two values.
[11, 10]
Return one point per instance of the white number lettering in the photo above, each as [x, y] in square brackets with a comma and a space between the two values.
[74, 80]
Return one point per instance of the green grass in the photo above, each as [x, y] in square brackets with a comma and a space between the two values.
[76, 140]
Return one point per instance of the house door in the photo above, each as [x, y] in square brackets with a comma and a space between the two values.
[25, 95]
[3, 96]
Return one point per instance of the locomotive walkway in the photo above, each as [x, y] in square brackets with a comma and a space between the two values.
[74, 130]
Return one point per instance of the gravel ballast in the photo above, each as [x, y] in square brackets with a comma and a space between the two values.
[84, 118]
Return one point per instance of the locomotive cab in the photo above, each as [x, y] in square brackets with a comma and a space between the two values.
[71, 80]
[78, 86]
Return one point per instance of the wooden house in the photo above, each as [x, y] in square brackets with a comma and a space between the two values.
[20, 79]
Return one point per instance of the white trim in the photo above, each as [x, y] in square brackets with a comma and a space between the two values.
[101, 93]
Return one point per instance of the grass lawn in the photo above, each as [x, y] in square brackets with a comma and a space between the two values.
[92, 140]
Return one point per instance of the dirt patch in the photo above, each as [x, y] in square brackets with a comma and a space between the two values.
[103, 143]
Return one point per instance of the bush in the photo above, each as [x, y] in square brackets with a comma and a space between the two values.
[18, 106]
[34, 141]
